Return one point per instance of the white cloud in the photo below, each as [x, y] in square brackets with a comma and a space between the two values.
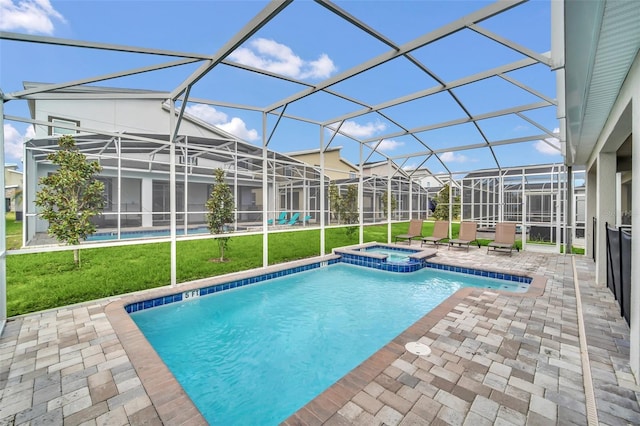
[360, 131]
[389, 145]
[235, 125]
[238, 127]
[272, 56]
[13, 141]
[452, 157]
[31, 16]
[547, 149]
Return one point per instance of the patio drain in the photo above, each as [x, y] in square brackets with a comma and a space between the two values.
[418, 348]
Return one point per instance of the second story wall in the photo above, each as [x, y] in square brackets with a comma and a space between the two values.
[114, 115]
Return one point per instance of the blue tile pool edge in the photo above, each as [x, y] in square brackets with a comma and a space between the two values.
[228, 285]
[391, 267]
[523, 279]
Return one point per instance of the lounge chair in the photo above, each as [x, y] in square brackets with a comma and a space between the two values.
[282, 219]
[466, 236]
[294, 219]
[505, 238]
[415, 231]
[306, 219]
[440, 233]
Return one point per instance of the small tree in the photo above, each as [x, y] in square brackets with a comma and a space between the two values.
[442, 207]
[345, 206]
[220, 207]
[385, 200]
[71, 196]
[335, 201]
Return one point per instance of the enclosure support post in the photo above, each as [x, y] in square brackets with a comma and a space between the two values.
[118, 143]
[322, 192]
[360, 200]
[185, 190]
[389, 195]
[172, 191]
[411, 200]
[235, 185]
[569, 218]
[3, 240]
[265, 195]
[450, 203]
[524, 212]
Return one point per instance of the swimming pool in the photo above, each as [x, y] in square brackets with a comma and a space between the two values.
[257, 354]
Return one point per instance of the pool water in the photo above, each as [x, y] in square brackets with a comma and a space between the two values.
[257, 354]
[151, 233]
[395, 256]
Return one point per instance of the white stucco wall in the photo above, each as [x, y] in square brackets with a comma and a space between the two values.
[115, 115]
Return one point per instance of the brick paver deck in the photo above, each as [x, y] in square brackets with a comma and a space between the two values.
[496, 359]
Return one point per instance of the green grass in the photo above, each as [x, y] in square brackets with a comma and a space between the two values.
[14, 231]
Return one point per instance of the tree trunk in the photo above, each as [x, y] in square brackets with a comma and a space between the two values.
[76, 257]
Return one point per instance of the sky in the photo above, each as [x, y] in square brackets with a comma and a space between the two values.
[309, 44]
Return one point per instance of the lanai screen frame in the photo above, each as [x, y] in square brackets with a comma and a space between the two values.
[180, 95]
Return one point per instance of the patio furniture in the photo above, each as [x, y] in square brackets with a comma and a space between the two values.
[294, 219]
[467, 235]
[440, 233]
[505, 238]
[415, 231]
[282, 219]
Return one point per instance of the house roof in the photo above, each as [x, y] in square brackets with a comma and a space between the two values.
[597, 41]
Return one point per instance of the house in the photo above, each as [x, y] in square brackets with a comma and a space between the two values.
[130, 140]
[12, 187]
[595, 51]
[342, 173]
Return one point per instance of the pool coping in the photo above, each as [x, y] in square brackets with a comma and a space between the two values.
[418, 253]
[174, 406]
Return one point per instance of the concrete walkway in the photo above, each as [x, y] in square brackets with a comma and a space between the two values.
[496, 359]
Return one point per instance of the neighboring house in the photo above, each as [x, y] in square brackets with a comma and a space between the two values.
[129, 138]
[343, 173]
[335, 167]
[12, 186]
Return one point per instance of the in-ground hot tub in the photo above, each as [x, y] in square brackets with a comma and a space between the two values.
[387, 257]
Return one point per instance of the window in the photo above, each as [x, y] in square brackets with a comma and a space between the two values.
[59, 131]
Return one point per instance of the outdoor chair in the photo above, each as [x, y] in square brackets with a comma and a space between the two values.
[294, 219]
[466, 236]
[415, 231]
[440, 233]
[282, 219]
[505, 238]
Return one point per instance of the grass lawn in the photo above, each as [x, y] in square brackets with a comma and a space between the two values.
[14, 231]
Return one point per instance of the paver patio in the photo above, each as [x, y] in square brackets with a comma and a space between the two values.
[496, 359]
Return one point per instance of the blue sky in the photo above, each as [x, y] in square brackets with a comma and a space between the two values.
[305, 42]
